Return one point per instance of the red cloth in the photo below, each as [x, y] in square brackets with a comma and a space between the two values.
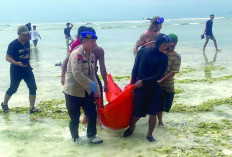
[75, 44]
[117, 114]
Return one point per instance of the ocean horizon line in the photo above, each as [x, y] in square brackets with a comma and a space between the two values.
[110, 22]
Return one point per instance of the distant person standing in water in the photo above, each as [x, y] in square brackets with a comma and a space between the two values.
[28, 25]
[18, 54]
[34, 36]
[149, 35]
[209, 33]
[67, 35]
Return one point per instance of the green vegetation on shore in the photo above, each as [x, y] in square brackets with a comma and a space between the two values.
[203, 107]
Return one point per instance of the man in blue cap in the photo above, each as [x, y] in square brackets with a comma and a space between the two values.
[81, 87]
[150, 65]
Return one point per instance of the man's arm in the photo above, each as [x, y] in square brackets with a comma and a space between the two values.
[139, 43]
[79, 76]
[39, 36]
[161, 70]
[12, 61]
[167, 77]
[65, 33]
[205, 27]
[174, 69]
[98, 93]
[135, 68]
[103, 68]
[64, 69]
[71, 26]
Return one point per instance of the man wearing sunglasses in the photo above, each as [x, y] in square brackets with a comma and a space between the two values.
[148, 37]
[18, 54]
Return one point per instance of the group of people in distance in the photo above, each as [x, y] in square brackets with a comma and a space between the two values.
[156, 63]
[34, 34]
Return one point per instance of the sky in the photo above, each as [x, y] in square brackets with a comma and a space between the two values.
[13, 11]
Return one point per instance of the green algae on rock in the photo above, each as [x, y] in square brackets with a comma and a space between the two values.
[227, 77]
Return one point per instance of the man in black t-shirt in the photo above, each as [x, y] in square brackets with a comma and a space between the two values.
[18, 54]
[67, 35]
[209, 33]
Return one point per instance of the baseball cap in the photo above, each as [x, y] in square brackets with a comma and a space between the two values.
[174, 37]
[88, 35]
[23, 29]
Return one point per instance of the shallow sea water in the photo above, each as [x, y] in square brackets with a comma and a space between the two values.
[205, 133]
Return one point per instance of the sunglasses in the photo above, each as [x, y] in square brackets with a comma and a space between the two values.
[160, 20]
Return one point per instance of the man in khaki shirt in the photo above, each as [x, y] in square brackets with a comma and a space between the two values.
[167, 82]
[81, 87]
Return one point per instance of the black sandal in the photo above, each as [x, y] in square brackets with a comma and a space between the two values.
[35, 110]
[5, 108]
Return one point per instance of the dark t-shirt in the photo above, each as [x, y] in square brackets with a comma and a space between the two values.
[19, 52]
[28, 26]
[67, 31]
[209, 26]
[150, 65]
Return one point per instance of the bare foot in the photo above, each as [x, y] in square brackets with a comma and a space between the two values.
[161, 124]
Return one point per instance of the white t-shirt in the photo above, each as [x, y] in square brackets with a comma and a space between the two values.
[34, 34]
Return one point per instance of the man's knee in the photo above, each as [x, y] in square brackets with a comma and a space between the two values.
[12, 90]
[32, 90]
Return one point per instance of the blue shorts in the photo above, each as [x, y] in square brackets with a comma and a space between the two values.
[210, 37]
[146, 101]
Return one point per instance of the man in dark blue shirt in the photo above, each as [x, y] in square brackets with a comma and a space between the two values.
[67, 35]
[209, 33]
[150, 65]
[18, 54]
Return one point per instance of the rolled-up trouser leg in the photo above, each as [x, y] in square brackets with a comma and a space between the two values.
[30, 81]
[15, 79]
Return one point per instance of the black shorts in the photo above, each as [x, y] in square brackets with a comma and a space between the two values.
[146, 101]
[166, 100]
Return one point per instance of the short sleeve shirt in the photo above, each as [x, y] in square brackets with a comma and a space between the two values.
[209, 26]
[34, 34]
[67, 31]
[174, 62]
[19, 52]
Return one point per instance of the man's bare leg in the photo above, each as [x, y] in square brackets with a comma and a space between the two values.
[151, 122]
[215, 44]
[160, 118]
[206, 42]
[131, 128]
[6, 99]
[32, 101]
